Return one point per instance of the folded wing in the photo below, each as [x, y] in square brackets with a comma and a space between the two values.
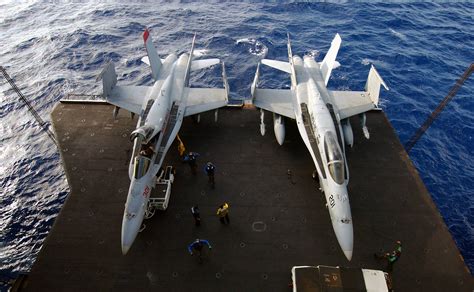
[330, 59]
[204, 99]
[275, 100]
[278, 101]
[128, 97]
[350, 103]
[200, 100]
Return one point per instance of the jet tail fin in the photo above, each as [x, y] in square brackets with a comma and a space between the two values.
[153, 59]
[109, 79]
[190, 61]
[372, 86]
[328, 62]
[290, 54]
[290, 60]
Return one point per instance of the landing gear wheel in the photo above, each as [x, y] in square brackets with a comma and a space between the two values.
[150, 211]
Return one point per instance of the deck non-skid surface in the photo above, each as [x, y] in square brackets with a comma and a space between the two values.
[277, 221]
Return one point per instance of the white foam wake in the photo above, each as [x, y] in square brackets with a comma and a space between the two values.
[256, 47]
[398, 34]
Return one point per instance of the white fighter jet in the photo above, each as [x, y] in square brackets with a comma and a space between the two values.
[161, 109]
[322, 117]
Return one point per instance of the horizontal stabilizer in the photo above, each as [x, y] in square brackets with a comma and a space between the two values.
[153, 59]
[328, 62]
[201, 64]
[147, 61]
[278, 101]
[279, 65]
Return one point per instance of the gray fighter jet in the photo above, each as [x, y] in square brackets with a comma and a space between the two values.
[322, 117]
[161, 109]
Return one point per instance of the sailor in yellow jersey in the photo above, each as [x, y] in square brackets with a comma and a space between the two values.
[223, 213]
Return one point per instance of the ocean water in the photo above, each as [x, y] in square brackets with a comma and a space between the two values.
[51, 49]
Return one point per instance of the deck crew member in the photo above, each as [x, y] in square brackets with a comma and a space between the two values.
[394, 256]
[223, 213]
[391, 257]
[197, 246]
[196, 215]
[190, 158]
[210, 169]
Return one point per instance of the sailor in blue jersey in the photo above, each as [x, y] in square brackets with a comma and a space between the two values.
[190, 158]
[197, 246]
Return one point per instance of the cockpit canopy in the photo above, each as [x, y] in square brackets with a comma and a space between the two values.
[144, 134]
[145, 139]
[334, 158]
[141, 166]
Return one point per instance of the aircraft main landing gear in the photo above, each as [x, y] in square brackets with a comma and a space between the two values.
[150, 211]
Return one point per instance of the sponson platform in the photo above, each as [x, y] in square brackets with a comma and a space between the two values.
[277, 220]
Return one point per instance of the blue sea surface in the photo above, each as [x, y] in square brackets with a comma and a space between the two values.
[52, 49]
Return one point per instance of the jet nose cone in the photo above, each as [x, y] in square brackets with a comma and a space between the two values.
[130, 228]
[129, 233]
[345, 237]
[125, 249]
[127, 240]
[348, 254]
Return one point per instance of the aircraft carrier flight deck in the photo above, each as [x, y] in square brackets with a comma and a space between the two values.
[278, 218]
